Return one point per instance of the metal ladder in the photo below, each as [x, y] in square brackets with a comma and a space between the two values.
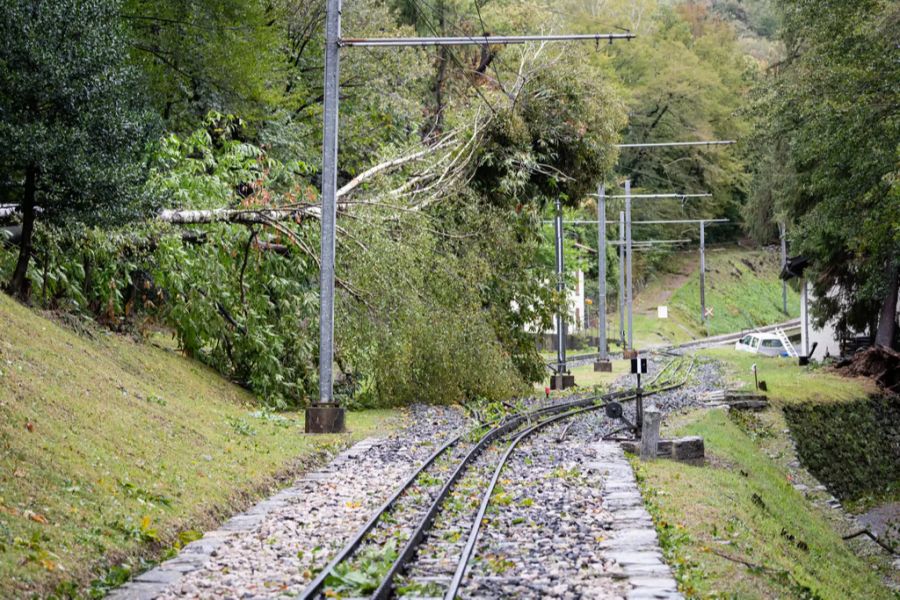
[788, 346]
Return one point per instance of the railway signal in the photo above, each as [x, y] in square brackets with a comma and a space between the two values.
[638, 368]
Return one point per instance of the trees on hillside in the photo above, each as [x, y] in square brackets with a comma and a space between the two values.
[72, 128]
[830, 118]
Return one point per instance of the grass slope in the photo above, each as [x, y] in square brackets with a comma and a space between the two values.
[736, 527]
[109, 449]
[742, 288]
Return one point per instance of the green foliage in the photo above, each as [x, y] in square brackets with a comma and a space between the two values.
[211, 54]
[366, 573]
[829, 125]
[71, 117]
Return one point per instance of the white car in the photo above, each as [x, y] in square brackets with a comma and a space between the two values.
[767, 344]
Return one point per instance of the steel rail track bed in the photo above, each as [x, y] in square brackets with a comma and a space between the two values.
[510, 424]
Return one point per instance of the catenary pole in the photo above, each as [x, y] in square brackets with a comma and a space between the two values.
[702, 272]
[629, 289]
[325, 416]
[561, 289]
[318, 419]
[621, 293]
[782, 231]
[601, 264]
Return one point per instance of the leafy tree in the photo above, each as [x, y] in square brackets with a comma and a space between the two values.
[72, 128]
[831, 127]
[205, 55]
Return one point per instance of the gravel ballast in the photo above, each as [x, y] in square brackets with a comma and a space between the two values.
[556, 526]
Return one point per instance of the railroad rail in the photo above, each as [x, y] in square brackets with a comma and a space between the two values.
[517, 427]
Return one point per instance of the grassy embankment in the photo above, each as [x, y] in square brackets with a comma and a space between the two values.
[742, 289]
[111, 450]
[736, 527]
[741, 297]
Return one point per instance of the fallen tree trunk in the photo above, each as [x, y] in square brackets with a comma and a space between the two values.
[243, 216]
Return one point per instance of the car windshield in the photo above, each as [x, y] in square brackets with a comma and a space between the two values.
[745, 340]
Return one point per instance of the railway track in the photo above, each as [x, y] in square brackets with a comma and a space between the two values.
[380, 560]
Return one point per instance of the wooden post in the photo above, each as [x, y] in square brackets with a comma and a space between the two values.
[650, 433]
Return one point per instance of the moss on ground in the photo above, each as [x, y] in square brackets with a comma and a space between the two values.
[112, 450]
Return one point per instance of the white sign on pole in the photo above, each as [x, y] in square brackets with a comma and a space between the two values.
[662, 312]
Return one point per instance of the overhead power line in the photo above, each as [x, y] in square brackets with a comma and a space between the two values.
[465, 40]
[676, 144]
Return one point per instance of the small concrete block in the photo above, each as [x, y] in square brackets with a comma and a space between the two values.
[632, 539]
[325, 419]
[136, 591]
[650, 434]
[602, 366]
[663, 448]
[636, 557]
[562, 382]
[688, 448]
[158, 575]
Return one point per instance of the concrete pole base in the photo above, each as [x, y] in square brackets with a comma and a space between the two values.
[325, 418]
[562, 382]
[602, 366]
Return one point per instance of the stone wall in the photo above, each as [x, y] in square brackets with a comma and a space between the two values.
[853, 447]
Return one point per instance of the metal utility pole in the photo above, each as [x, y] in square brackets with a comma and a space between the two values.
[561, 290]
[629, 289]
[325, 416]
[621, 293]
[561, 380]
[602, 364]
[804, 321]
[702, 272]
[781, 230]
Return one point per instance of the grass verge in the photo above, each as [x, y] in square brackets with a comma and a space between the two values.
[112, 451]
[737, 528]
[742, 289]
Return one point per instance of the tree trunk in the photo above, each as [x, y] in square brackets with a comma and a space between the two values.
[437, 125]
[887, 320]
[19, 285]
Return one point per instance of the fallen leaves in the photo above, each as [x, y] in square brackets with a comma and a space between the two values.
[36, 517]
